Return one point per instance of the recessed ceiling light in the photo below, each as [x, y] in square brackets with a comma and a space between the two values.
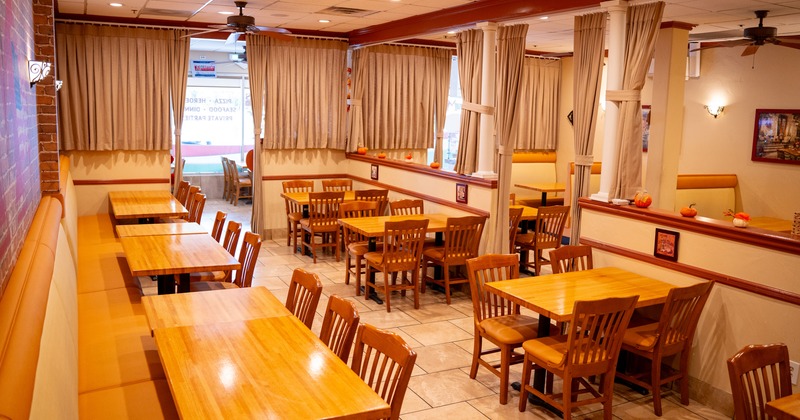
[115, 4]
[225, 13]
[544, 18]
[451, 32]
[324, 21]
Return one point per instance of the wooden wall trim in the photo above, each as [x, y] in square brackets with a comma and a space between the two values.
[81, 182]
[426, 197]
[722, 229]
[296, 177]
[746, 285]
[425, 169]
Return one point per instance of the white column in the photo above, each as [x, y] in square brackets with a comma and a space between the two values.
[616, 66]
[486, 140]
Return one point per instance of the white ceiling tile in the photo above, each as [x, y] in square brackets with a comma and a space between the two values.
[285, 6]
[376, 5]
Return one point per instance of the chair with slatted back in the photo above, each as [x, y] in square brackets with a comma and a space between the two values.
[232, 234]
[339, 326]
[219, 225]
[294, 211]
[514, 218]
[182, 191]
[590, 348]
[496, 319]
[401, 253]
[671, 335]
[242, 184]
[248, 254]
[356, 245]
[547, 234]
[193, 189]
[385, 362]
[758, 375]
[323, 213]
[337, 185]
[462, 236]
[379, 196]
[570, 258]
[196, 208]
[512, 199]
[226, 187]
[406, 207]
[303, 298]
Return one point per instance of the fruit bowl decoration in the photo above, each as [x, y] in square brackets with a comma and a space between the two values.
[642, 199]
[740, 219]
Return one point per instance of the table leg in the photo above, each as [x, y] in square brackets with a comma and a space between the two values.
[183, 286]
[523, 253]
[544, 198]
[437, 269]
[166, 284]
[372, 246]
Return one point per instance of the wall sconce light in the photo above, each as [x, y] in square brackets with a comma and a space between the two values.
[714, 110]
[37, 70]
[59, 83]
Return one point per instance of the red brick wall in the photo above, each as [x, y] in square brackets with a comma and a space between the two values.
[19, 146]
[44, 25]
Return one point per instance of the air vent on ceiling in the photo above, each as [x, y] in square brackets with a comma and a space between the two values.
[346, 11]
[166, 12]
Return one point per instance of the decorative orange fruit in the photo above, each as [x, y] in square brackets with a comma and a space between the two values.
[362, 151]
[381, 155]
[642, 199]
[435, 165]
[689, 211]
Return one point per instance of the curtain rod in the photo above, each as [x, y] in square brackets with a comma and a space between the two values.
[125, 25]
[542, 57]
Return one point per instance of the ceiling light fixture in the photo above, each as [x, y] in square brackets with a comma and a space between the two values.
[225, 13]
[714, 110]
[115, 4]
[451, 32]
[324, 21]
[544, 18]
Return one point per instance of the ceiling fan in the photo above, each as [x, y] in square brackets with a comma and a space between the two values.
[755, 37]
[243, 24]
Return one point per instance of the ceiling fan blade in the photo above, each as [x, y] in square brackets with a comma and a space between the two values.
[270, 29]
[731, 43]
[220, 27]
[232, 38]
[788, 44]
[750, 50]
[200, 33]
[716, 36]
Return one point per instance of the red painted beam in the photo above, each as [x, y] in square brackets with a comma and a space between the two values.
[459, 16]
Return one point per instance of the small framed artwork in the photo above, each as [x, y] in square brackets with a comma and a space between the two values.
[373, 173]
[666, 245]
[776, 136]
[461, 193]
[645, 126]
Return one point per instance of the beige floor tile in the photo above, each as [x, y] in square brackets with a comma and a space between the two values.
[412, 402]
[467, 324]
[491, 408]
[462, 411]
[448, 387]
[432, 333]
[383, 319]
[433, 312]
[441, 357]
[269, 282]
[407, 338]
[643, 409]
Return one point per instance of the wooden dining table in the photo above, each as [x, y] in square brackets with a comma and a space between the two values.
[544, 188]
[145, 206]
[266, 368]
[301, 198]
[786, 408]
[167, 255]
[160, 229]
[553, 296]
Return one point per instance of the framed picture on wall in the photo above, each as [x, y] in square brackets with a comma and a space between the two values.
[645, 126]
[461, 193]
[373, 173]
[776, 136]
[666, 245]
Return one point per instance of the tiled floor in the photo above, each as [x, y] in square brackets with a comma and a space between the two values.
[442, 337]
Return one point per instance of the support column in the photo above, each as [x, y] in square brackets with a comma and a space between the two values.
[486, 140]
[46, 106]
[666, 114]
[615, 71]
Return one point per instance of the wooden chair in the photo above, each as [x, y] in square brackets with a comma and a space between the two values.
[758, 374]
[193, 189]
[462, 236]
[356, 245]
[546, 235]
[671, 335]
[219, 225]
[570, 258]
[385, 362]
[182, 192]
[242, 185]
[512, 199]
[379, 196]
[514, 218]
[248, 254]
[232, 234]
[590, 348]
[294, 211]
[323, 213]
[337, 185]
[339, 326]
[196, 208]
[226, 187]
[304, 292]
[406, 207]
[402, 250]
[496, 319]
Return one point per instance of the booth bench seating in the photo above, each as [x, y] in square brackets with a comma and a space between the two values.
[533, 167]
[75, 340]
[712, 194]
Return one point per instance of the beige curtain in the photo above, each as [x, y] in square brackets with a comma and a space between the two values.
[538, 115]
[469, 48]
[440, 101]
[399, 88]
[116, 93]
[257, 46]
[643, 24]
[588, 64]
[355, 139]
[179, 51]
[510, 55]
[305, 89]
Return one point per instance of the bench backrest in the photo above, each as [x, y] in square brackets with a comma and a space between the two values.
[712, 193]
[532, 167]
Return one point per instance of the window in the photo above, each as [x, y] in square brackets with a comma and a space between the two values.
[452, 123]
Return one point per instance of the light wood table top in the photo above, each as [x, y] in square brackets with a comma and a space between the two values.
[771, 223]
[160, 229]
[186, 309]
[145, 204]
[301, 198]
[268, 368]
[554, 295]
[375, 226]
[786, 408]
[545, 187]
[176, 254]
[528, 213]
